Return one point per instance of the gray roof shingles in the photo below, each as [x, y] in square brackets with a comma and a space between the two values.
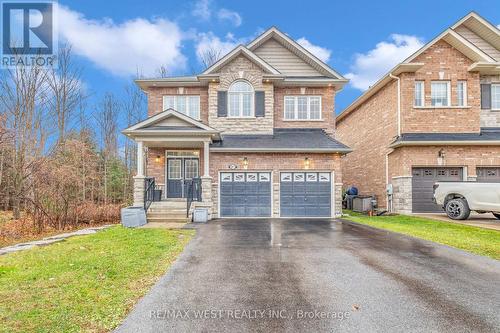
[486, 134]
[286, 139]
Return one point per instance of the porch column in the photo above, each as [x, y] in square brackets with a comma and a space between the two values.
[140, 159]
[206, 159]
[139, 178]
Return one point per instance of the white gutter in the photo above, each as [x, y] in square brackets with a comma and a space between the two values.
[277, 150]
[399, 101]
[447, 143]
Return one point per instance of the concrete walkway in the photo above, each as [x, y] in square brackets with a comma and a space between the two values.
[51, 239]
[487, 221]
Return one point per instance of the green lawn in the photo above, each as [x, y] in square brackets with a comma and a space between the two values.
[86, 283]
[481, 241]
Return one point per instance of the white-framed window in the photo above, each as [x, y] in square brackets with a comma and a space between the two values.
[324, 177]
[191, 168]
[462, 93]
[312, 177]
[240, 100]
[239, 177]
[286, 177]
[251, 177]
[298, 177]
[226, 177]
[419, 93]
[186, 104]
[302, 108]
[264, 177]
[440, 93]
[495, 96]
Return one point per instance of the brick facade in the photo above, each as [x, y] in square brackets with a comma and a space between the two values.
[442, 62]
[276, 162]
[368, 131]
[155, 99]
[241, 68]
[371, 127]
[327, 108]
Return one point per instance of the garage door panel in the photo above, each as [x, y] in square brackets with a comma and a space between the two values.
[422, 182]
[248, 197]
[488, 174]
[305, 196]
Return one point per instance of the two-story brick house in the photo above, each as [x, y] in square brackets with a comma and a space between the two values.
[258, 128]
[435, 116]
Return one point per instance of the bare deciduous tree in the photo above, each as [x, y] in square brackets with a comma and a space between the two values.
[210, 56]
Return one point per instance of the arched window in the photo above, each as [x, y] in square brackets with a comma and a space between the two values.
[240, 99]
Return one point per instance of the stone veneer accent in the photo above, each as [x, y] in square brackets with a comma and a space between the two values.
[139, 191]
[402, 196]
[490, 118]
[241, 69]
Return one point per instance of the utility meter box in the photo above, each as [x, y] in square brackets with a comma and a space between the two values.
[389, 189]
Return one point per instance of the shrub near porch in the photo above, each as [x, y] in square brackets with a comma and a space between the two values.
[86, 283]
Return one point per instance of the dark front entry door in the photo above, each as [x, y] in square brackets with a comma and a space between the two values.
[180, 169]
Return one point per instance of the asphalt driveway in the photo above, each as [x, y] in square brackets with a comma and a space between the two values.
[297, 275]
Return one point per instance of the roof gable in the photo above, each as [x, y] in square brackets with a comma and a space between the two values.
[284, 60]
[169, 119]
[296, 49]
[240, 50]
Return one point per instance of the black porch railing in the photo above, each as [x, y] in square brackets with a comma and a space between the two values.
[149, 192]
[193, 192]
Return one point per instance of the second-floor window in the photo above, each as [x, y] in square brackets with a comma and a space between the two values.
[186, 104]
[440, 93]
[240, 100]
[302, 108]
[419, 93]
[461, 93]
[495, 96]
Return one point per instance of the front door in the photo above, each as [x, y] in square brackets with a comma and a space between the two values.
[180, 169]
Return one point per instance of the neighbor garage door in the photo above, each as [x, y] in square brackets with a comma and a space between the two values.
[305, 194]
[245, 194]
[488, 174]
[422, 182]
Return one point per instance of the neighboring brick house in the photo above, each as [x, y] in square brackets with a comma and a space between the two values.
[435, 116]
[258, 128]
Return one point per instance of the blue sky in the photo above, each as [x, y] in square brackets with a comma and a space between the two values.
[113, 40]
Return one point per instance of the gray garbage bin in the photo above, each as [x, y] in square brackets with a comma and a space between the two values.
[133, 217]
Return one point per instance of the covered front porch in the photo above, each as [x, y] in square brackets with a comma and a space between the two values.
[173, 159]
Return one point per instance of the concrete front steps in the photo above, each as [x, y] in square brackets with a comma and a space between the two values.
[169, 211]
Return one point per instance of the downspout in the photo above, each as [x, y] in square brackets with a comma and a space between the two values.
[390, 196]
[399, 101]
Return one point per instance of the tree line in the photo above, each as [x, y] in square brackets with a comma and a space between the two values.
[61, 161]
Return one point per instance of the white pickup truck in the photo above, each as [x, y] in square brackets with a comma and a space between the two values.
[458, 199]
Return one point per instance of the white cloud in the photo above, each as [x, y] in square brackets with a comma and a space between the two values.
[229, 15]
[322, 53]
[210, 42]
[202, 9]
[369, 67]
[123, 49]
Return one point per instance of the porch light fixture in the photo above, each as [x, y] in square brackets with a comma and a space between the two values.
[441, 154]
[245, 163]
[158, 159]
[307, 163]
